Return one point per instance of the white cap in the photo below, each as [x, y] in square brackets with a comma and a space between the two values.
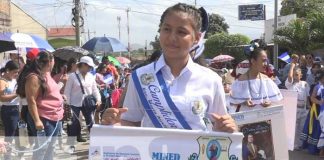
[87, 60]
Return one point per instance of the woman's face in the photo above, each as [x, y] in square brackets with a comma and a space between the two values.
[85, 68]
[74, 67]
[50, 65]
[177, 35]
[260, 62]
[13, 74]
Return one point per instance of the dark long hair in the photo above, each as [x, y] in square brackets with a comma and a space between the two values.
[70, 63]
[10, 66]
[34, 67]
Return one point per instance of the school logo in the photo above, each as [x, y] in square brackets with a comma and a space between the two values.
[146, 79]
[214, 148]
[197, 107]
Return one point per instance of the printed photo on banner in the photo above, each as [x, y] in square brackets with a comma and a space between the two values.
[257, 141]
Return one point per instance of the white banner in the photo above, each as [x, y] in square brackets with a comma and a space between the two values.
[138, 143]
[289, 102]
[264, 133]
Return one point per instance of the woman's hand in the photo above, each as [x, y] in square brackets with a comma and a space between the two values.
[39, 125]
[224, 123]
[64, 78]
[249, 103]
[266, 103]
[112, 116]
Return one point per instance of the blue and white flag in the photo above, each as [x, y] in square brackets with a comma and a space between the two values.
[108, 79]
[285, 57]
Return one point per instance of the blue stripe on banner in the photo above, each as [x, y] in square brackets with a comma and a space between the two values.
[145, 103]
[173, 107]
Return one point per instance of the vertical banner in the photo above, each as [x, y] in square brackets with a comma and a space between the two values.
[289, 102]
[264, 133]
[137, 143]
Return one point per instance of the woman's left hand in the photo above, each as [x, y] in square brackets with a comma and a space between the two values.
[224, 123]
[266, 103]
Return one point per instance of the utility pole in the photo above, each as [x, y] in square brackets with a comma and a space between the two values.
[77, 21]
[118, 19]
[195, 2]
[129, 49]
[145, 51]
[275, 27]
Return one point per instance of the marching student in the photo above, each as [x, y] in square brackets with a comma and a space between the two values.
[175, 92]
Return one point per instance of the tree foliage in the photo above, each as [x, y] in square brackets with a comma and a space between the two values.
[223, 43]
[303, 35]
[217, 24]
[301, 7]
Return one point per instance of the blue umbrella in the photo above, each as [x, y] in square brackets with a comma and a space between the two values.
[22, 40]
[6, 44]
[104, 45]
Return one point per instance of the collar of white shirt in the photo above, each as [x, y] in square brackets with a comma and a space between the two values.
[160, 64]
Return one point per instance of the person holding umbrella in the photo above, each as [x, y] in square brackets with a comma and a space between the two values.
[189, 93]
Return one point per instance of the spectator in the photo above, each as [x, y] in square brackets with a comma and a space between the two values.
[44, 101]
[10, 102]
[307, 69]
[79, 85]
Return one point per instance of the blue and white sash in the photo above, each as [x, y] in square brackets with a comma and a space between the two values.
[156, 100]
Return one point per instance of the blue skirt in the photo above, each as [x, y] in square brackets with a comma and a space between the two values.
[310, 141]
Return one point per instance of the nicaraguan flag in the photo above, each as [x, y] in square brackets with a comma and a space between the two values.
[285, 57]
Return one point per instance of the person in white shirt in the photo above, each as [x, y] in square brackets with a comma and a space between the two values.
[294, 83]
[192, 93]
[75, 96]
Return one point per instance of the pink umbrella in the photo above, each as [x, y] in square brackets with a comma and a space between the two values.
[222, 58]
[123, 60]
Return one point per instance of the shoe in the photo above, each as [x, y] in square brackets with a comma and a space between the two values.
[63, 132]
[80, 139]
[71, 149]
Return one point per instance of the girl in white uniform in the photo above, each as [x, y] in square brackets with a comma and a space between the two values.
[192, 92]
[254, 90]
[294, 83]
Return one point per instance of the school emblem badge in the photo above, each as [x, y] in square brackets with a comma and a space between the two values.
[197, 107]
[146, 79]
[211, 147]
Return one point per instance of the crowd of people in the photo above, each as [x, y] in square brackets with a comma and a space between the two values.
[192, 94]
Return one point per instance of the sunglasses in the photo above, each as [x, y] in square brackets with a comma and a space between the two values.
[308, 57]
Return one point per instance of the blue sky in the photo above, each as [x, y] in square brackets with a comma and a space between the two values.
[101, 15]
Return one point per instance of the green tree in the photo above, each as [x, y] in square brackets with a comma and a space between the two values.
[217, 24]
[295, 36]
[156, 43]
[223, 43]
[303, 35]
[301, 7]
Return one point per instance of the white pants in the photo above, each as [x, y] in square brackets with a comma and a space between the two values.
[300, 121]
[320, 143]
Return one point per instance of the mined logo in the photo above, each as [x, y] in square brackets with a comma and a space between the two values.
[165, 156]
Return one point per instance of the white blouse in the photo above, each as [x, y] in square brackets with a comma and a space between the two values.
[256, 90]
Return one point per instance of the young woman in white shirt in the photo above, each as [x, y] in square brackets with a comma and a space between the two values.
[254, 90]
[196, 91]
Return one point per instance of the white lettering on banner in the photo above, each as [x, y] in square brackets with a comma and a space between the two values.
[156, 102]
